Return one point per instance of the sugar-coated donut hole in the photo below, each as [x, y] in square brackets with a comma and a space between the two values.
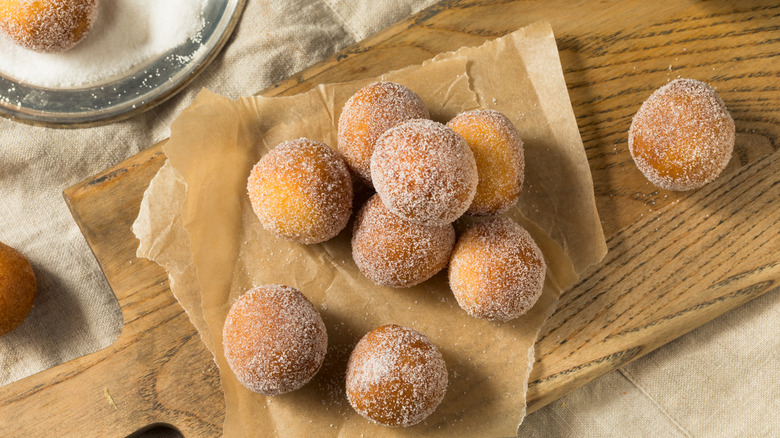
[682, 137]
[274, 339]
[17, 288]
[424, 172]
[394, 252]
[368, 114]
[47, 26]
[498, 151]
[301, 190]
[496, 271]
[396, 376]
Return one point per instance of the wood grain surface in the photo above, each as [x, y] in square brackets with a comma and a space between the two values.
[675, 261]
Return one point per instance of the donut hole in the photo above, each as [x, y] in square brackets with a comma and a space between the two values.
[424, 172]
[496, 271]
[498, 152]
[274, 339]
[396, 376]
[683, 136]
[301, 190]
[366, 115]
[17, 288]
[47, 26]
[394, 252]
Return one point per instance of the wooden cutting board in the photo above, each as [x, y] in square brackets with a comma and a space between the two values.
[676, 260]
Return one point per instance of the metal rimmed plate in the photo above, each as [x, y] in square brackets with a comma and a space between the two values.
[137, 91]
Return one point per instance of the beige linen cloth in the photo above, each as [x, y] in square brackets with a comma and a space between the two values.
[720, 380]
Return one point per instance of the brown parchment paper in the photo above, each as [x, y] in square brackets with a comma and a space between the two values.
[196, 221]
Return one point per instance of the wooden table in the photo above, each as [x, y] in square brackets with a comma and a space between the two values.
[676, 260]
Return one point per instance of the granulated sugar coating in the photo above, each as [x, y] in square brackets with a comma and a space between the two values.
[395, 252]
[301, 190]
[274, 339]
[126, 36]
[48, 26]
[424, 172]
[370, 112]
[498, 150]
[496, 270]
[682, 137]
[396, 376]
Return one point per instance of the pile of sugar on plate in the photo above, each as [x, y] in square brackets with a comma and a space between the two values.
[126, 35]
